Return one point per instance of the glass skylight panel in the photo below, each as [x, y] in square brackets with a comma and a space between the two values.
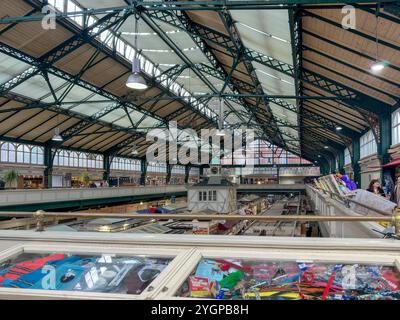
[123, 122]
[78, 93]
[149, 122]
[90, 109]
[11, 68]
[126, 50]
[35, 86]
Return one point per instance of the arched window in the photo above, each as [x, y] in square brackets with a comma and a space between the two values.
[99, 162]
[91, 160]
[56, 161]
[82, 163]
[23, 154]
[73, 159]
[64, 158]
[37, 155]
[7, 152]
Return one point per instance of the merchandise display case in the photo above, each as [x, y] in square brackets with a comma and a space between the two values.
[291, 275]
[45, 271]
[129, 266]
[239, 279]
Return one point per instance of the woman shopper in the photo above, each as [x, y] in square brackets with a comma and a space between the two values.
[375, 187]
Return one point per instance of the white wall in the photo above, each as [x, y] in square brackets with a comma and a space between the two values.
[368, 174]
[226, 200]
[290, 180]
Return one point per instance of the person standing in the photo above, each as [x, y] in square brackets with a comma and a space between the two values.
[375, 187]
[395, 196]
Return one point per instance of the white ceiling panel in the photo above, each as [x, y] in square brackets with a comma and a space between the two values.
[10, 68]
[268, 46]
[113, 116]
[273, 22]
[35, 87]
[274, 86]
[162, 57]
[149, 122]
[101, 3]
[90, 109]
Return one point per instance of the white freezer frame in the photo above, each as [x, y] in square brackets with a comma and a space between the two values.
[187, 251]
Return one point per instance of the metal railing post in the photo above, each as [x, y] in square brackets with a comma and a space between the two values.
[39, 216]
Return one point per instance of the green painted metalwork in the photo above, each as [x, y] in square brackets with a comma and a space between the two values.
[355, 157]
[143, 169]
[187, 173]
[48, 163]
[385, 139]
[169, 172]
[341, 161]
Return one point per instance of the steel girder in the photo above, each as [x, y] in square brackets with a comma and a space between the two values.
[223, 41]
[65, 48]
[170, 74]
[105, 23]
[95, 119]
[349, 78]
[360, 99]
[234, 34]
[181, 55]
[329, 124]
[80, 126]
[185, 24]
[295, 23]
[391, 5]
[59, 73]
[311, 78]
[180, 20]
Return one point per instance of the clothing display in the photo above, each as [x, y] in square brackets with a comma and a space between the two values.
[106, 273]
[256, 280]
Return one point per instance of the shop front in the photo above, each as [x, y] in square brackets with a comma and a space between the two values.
[27, 177]
[122, 179]
[156, 179]
[73, 178]
[177, 179]
[260, 179]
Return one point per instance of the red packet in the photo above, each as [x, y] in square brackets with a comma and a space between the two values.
[199, 287]
[392, 279]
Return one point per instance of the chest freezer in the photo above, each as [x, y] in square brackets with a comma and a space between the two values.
[62, 265]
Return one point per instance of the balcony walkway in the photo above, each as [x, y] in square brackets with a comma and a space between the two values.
[46, 199]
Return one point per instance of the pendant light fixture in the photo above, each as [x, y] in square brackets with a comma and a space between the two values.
[57, 136]
[136, 80]
[221, 132]
[378, 65]
[134, 151]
